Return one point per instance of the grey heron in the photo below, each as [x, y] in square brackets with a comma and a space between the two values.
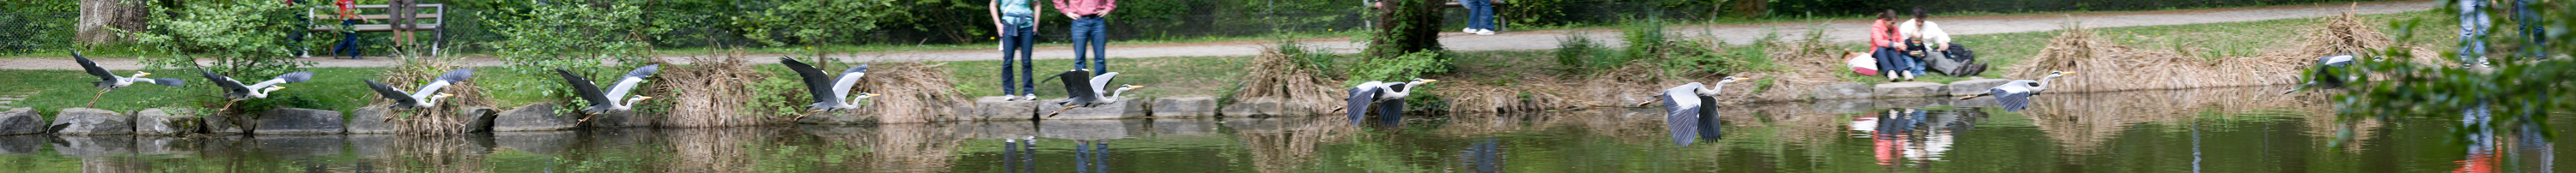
[235, 91]
[2015, 95]
[1088, 94]
[2324, 75]
[109, 81]
[829, 92]
[1685, 109]
[427, 96]
[1387, 98]
[602, 103]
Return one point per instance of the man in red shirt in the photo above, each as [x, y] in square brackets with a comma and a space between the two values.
[1090, 38]
[348, 38]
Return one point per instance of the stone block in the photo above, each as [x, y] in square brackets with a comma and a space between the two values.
[225, 124]
[371, 119]
[534, 117]
[1975, 86]
[165, 145]
[993, 108]
[1845, 106]
[619, 119]
[297, 146]
[1184, 107]
[20, 121]
[1840, 90]
[166, 121]
[1909, 90]
[298, 121]
[479, 119]
[89, 121]
[1126, 108]
[1260, 107]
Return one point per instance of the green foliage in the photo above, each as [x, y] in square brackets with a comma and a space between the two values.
[1404, 27]
[240, 38]
[781, 94]
[573, 37]
[1644, 37]
[815, 21]
[1707, 58]
[1402, 68]
[1575, 49]
[2517, 84]
[1320, 59]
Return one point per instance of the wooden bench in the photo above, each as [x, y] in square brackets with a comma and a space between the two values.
[432, 13]
[1499, 25]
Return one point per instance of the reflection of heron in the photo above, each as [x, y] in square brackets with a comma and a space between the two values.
[1091, 156]
[1386, 98]
[2324, 74]
[1087, 94]
[1683, 108]
[428, 94]
[109, 81]
[602, 103]
[829, 92]
[235, 91]
[2015, 95]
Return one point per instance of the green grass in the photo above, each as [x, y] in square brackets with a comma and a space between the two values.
[2209, 40]
[1192, 76]
[330, 89]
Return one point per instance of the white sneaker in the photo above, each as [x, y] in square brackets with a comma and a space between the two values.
[1909, 75]
[1032, 97]
[1484, 32]
[1467, 30]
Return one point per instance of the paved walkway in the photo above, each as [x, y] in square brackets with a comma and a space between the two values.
[1838, 30]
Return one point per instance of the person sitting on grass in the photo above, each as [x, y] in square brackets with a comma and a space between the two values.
[1931, 46]
[1888, 46]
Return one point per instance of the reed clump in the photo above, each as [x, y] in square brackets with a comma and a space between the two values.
[2342, 34]
[1277, 75]
[711, 93]
[2111, 67]
[451, 115]
[911, 92]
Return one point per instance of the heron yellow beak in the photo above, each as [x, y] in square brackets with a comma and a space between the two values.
[1430, 80]
[277, 87]
[141, 74]
[1742, 79]
[1135, 86]
[2069, 73]
[446, 95]
[874, 95]
[643, 97]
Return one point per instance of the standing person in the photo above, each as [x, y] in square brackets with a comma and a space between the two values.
[1089, 31]
[1480, 16]
[303, 22]
[1889, 48]
[2473, 31]
[401, 13]
[1017, 21]
[348, 35]
[2531, 30]
[1926, 37]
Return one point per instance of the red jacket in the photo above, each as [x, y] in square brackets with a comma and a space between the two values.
[1086, 7]
[1880, 34]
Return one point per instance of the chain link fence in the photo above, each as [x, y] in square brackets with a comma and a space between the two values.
[22, 33]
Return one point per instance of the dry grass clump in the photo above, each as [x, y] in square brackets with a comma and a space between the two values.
[449, 117]
[912, 92]
[431, 154]
[1276, 75]
[2111, 67]
[2342, 34]
[712, 93]
[1806, 62]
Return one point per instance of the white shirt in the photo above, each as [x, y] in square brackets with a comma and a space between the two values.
[1930, 33]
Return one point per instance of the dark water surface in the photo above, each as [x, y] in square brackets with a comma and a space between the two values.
[2209, 130]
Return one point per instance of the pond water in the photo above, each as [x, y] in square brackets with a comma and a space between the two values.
[2207, 130]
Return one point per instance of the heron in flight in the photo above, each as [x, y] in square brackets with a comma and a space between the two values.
[427, 96]
[829, 92]
[1387, 98]
[2324, 75]
[109, 81]
[236, 92]
[2015, 95]
[1087, 94]
[1686, 112]
[602, 103]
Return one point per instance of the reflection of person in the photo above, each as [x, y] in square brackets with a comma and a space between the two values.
[1091, 156]
[2533, 149]
[1485, 155]
[2482, 151]
[1480, 16]
[1017, 22]
[1017, 155]
[1089, 31]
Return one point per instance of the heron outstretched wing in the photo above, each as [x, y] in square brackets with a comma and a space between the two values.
[225, 82]
[582, 86]
[2013, 98]
[280, 79]
[2335, 61]
[1077, 85]
[390, 93]
[1708, 120]
[1681, 112]
[849, 78]
[442, 81]
[93, 69]
[816, 83]
[1360, 100]
[1100, 83]
[1390, 111]
[628, 82]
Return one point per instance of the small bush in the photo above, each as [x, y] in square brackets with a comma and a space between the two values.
[1407, 67]
[1572, 51]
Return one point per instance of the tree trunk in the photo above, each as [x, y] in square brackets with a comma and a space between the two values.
[100, 20]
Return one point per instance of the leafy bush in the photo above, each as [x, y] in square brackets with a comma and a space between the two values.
[1644, 37]
[816, 21]
[1402, 68]
[1572, 51]
[574, 37]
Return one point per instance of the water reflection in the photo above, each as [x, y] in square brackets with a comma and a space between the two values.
[2158, 131]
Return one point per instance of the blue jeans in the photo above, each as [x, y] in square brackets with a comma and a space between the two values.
[2530, 21]
[1895, 61]
[2473, 26]
[1091, 44]
[1018, 39]
[1480, 13]
[348, 39]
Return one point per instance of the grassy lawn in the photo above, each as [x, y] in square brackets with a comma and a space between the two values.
[1194, 76]
[331, 89]
[2210, 40]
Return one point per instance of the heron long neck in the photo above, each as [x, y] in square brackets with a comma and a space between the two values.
[2043, 83]
[630, 101]
[1113, 96]
[1712, 90]
[432, 100]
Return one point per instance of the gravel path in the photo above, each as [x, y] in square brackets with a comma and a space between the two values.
[1838, 30]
